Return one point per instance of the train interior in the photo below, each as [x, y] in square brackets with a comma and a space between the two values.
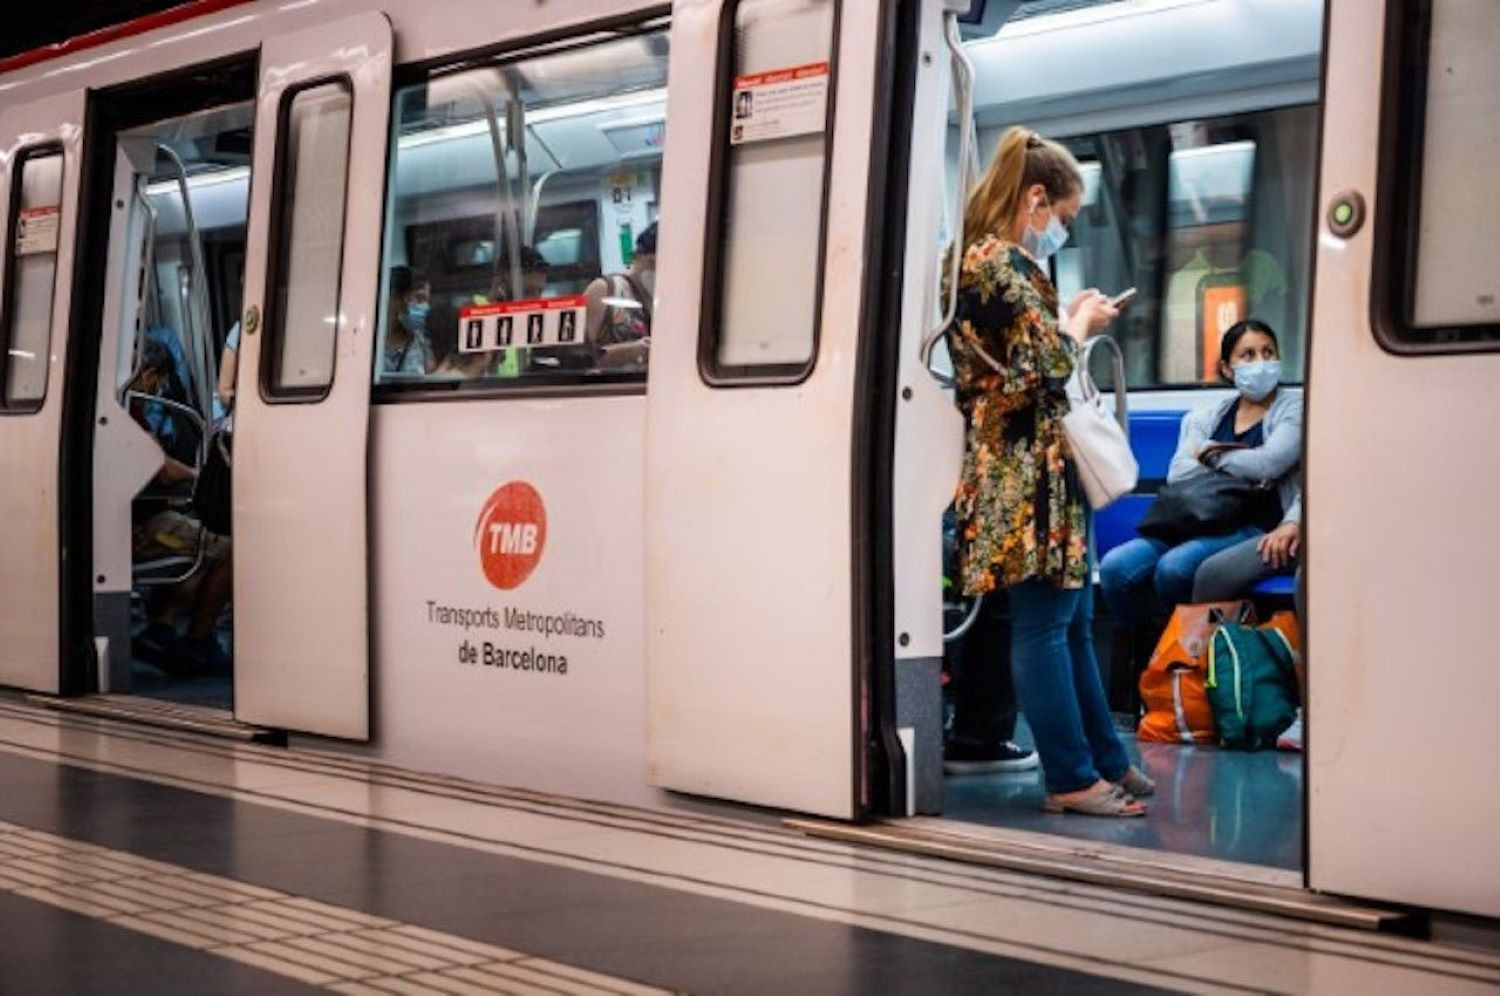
[162, 473]
[1199, 164]
[532, 180]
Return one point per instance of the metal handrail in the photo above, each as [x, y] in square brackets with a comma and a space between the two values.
[200, 356]
[202, 450]
[963, 86]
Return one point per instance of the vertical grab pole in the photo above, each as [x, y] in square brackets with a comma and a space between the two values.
[963, 85]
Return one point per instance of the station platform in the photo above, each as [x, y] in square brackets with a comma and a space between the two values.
[135, 859]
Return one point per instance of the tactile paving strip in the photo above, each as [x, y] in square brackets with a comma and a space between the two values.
[340, 949]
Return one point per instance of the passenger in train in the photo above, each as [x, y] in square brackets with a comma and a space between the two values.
[406, 349]
[619, 309]
[229, 365]
[534, 275]
[1022, 514]
[1256, 435]
[167, 532]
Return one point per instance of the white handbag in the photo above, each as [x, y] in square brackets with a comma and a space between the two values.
[1100, 441]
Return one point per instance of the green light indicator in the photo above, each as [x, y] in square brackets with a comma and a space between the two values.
[1343, 212]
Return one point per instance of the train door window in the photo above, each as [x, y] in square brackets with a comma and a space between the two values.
[760, 308]
[1208, 220]
[520, 237]
[302, 317]
[30, 276]
[1444, 200]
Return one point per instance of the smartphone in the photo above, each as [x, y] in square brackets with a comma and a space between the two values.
[1122, 297]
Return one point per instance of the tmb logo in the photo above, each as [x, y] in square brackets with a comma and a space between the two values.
[511, 533]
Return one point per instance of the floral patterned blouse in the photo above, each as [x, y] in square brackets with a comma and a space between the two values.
[1021, 508]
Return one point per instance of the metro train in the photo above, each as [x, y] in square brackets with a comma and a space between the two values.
[579, 429]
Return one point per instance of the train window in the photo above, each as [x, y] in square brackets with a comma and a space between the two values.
[760, 309]
[1437, 237]
[30, 276]
[313, 171]
[1209, 220]
[520, 226]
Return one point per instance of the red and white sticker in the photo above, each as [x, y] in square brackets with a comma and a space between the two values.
[511, 534]
[36, 229]
[779, 104]
[551, 321]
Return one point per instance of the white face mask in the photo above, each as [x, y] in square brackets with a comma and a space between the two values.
[648, 280]
[1046, 242]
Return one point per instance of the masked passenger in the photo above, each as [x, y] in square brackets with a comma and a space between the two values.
[1255, 436]
[619, 308]
[1023, 519]
[406, 349]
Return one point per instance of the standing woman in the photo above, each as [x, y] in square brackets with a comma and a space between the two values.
[1023, 517]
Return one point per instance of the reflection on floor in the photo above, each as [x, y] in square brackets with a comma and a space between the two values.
[216, 690]
[1225, 804]
[211, 688]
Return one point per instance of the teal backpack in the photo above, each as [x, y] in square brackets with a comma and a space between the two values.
[1251, 685]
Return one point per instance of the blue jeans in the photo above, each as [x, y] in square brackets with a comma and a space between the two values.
[1133, 572]
[1057, 677]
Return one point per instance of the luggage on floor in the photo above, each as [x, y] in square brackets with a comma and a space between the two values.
[1172, 686]
[1252, 684]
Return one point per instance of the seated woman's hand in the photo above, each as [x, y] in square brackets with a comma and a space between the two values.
[1280, 545]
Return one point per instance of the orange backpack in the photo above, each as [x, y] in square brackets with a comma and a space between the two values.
[1177, 709]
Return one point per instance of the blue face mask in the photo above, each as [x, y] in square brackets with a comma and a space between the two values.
[1258, 378]
[1046, 242]
[416, 315]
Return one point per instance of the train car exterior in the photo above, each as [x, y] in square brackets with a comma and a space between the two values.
[705, 560]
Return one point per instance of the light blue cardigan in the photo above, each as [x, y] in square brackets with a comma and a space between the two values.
[1279, 459]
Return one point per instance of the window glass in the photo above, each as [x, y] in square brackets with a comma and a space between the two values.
[521, 226]
[305, 313]
[762, 316]
[1449, 149]
[35, 225]
[1211, 221]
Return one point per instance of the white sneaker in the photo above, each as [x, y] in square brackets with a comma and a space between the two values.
[1291, 737]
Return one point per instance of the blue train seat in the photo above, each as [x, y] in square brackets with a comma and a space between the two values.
[1153, 437]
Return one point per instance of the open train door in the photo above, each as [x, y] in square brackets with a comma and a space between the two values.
[1403, 537]
[312, 268]
[756, 691]
[39, 171]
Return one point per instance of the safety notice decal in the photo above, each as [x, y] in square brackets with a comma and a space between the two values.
[553, 321]
[780, 104]
[36, 229]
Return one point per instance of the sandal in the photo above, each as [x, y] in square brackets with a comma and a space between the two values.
[1112, 801]
[1136, 783]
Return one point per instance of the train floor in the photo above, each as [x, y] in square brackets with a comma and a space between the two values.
[146, 860]
[1210, 803]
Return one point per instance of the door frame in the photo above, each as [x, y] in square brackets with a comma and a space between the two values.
[177, 91]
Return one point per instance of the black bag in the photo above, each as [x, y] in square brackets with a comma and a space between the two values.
[211, 495]
[1209, 505]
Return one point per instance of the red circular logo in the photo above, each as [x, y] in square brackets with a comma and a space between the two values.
[511, 533]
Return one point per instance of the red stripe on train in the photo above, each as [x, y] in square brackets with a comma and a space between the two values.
[103, 36]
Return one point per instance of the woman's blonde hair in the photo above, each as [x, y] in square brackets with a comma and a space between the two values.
[1023, 158]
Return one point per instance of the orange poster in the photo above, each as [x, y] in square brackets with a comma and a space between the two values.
[1222, 307]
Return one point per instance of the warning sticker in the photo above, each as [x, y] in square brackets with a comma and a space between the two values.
[780, 104]
[553, 321]
[36, 229]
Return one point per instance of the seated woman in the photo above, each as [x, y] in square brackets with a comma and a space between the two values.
[1256, 436]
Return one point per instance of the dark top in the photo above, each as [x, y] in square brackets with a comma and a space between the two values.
[1224, 431]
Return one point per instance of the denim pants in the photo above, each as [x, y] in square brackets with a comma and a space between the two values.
[1052, 655]
[1133, 572]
